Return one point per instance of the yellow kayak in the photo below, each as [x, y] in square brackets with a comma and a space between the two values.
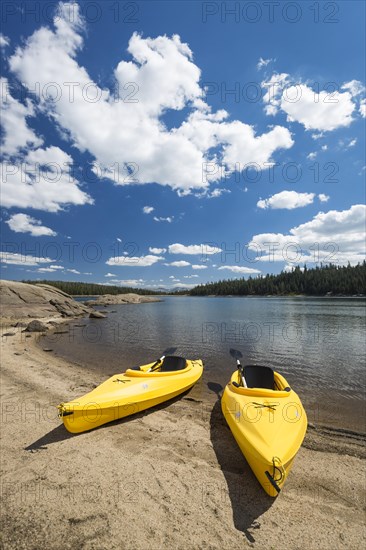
[133, 391]
[268, 421]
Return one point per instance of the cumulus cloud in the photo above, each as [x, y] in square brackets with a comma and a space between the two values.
[323, 198]
[14, 258]
[330, 237]
[181, 263]
[22, 223]
[42, 179]
[4, 40]
[109, 275]
[362, 109]
[14, 115]
[199, 266]
[240, 269]
[193, 249]
[134, 261]
[32, 176]
[50, 269]
[354, 86]
[125, 125]
[148, 209]
[323, 111]
[157, 250]
[287, 200]
[318, 111]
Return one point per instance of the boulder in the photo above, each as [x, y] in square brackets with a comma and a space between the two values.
[118, 299]
[36, 326]
[35, 301]
[97, 315]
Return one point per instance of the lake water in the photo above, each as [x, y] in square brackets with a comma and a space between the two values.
[318, 344]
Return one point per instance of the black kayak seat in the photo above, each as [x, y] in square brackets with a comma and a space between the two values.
[257, 376]
[172, 362]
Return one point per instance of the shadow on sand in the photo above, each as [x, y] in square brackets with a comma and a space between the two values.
[61, 434]
[248, 500]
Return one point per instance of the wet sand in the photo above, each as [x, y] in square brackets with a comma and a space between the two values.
[169, 478]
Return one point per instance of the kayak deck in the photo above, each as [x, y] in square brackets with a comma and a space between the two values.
[128, 393]
[269, 426]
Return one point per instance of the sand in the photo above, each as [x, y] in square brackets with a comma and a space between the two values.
[167, 479]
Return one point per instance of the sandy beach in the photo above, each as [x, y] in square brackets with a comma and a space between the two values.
[168, 478]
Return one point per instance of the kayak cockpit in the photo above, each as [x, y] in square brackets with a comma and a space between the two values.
[168, 365]
[259, 381]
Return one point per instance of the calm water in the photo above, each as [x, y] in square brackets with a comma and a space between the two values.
[318, 344]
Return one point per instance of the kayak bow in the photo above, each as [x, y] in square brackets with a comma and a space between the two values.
[269, 423]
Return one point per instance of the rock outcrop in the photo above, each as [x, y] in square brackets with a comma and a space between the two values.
[24, 301]
[111, 299]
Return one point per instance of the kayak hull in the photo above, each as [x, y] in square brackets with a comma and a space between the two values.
[126, 394]
[268, 426]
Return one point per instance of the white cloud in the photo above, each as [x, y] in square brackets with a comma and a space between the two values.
[324, 147]
[109, 275]
[169, 219]
[323, 111]
[315, 111]
[194, 249]
[14, 258]
[362, 109]
[354, 86]
[134, 261]
[331, 237]
[51, 269]
[157, 250]
[126, 124]
[148, 209]
[263, 63]
[181, 263]
[352, 143]
[41, 180]
[14, 115]
[73, 271]
[212, 194]
[312, 156]
[274, 88]
[240, 269]
[323, 198]
[190, 276]
[118, 239]
[4, 40]
[46, 270]
[199, 266]
[287, 200]
[22, 223]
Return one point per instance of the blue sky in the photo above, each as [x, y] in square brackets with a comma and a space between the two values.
[165, 144]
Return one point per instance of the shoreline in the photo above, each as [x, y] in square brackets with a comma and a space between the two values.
[171, 477]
